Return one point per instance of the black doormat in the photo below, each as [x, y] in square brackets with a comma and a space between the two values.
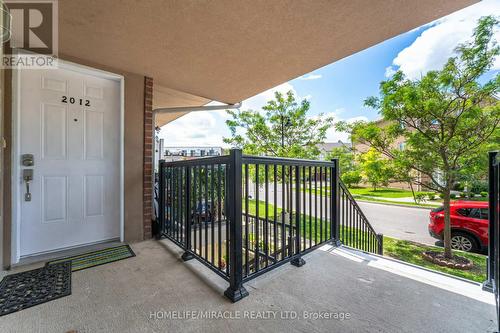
[96, 258]
[26, 289]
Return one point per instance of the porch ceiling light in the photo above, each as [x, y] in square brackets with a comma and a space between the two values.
[5, 23]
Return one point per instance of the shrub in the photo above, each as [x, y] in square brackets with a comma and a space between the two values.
[420, 197]
[431, 196]
[463, 194]
[453, 195]
[458, 186]
[471, 194]
[484, 194]
[441, 195]
[479, 186]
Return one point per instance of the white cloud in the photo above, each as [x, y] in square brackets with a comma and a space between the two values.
[435, 45]
[311, 77]
[389, 71]
[200, 128]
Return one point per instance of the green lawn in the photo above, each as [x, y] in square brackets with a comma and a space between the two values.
[411, 252]
[382, 192]
[399, 249]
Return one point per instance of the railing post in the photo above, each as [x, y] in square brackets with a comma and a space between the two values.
[380, 249]
[490, 269]
[160, 219]
[298, 260]
[187, 255]
[236, 290]
[335, 203]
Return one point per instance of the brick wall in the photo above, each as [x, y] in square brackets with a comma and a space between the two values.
[148, 157]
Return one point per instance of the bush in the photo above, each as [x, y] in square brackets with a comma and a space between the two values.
[420, 197]
[441, 195]
[484, 194]
[479, 186]
[458, 186]
[471, 194]
[431, 196]
[453, 195]
[463, 194]
[351, 178]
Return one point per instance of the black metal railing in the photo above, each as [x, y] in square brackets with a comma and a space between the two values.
[493, 265]
[355, 229]
[243, 215]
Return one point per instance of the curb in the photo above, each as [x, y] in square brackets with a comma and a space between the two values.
[392, 204]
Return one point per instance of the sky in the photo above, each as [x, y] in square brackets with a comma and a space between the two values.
[340, 88]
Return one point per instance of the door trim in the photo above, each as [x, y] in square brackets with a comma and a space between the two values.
[16, 136]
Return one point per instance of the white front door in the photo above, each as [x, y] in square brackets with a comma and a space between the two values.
[69, 120]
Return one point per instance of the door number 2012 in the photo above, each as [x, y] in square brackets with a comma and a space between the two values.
[72, 100]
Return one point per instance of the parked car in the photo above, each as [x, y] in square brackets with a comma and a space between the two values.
[469, 225]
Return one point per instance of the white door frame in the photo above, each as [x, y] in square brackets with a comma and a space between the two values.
[16, 139]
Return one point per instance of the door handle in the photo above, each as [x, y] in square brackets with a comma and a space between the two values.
[28, 178]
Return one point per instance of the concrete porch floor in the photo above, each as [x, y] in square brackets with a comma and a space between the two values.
[378, 294]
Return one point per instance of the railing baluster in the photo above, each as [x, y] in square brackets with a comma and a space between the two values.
[212, 217]
[283, 212]
[247, 212]
[257, 220]
[266, 223]
[275, 225]
[219, 216]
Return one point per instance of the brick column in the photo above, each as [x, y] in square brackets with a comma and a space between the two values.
[148, 158]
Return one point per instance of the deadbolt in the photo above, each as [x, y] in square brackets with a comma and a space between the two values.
[28, 160]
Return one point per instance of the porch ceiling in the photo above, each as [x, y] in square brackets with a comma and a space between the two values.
[164, 97]
[230, 50]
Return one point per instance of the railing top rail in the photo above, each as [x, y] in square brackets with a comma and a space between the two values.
[224, 159]
[251, 159]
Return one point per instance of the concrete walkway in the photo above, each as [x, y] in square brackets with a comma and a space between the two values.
[338, 290]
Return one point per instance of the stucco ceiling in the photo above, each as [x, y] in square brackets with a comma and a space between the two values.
[229, 50]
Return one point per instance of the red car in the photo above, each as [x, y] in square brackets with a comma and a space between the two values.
[469, 225]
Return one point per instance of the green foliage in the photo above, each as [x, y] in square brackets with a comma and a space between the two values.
[452, 196]
[431, 196]
[349, 169]
[282, 128]
[463, 194]
[420, 197]
[448, 118]
[351, 178]
[376, 169]
[484, 194]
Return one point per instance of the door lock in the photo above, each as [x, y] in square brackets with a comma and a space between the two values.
[28, 160]
[28, 178]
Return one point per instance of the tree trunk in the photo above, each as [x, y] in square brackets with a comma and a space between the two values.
[447, 224]
[413, 191]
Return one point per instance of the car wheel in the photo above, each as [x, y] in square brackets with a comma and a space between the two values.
[463, 242]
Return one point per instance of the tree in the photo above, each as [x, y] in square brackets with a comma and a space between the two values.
[282, 128]
[446, 118]
[349, 170]
[376, 169]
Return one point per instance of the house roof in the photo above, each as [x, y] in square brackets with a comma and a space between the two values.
[229, 50]
[329, 146]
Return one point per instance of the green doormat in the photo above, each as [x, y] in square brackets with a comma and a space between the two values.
[96, 258]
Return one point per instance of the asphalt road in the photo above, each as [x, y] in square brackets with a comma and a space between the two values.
[406, 223]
